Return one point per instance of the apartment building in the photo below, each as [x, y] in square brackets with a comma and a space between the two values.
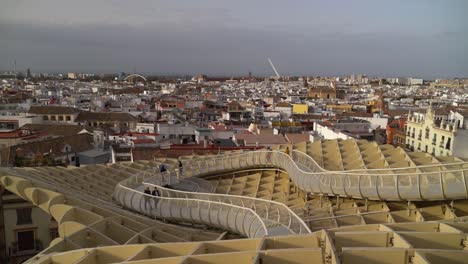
[26, 229]
[436, 135]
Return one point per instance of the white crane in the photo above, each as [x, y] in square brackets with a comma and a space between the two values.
[274, 69]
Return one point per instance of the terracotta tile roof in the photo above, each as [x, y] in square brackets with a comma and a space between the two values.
[94, 116]
[297, 138]
[57, 129]
[359, 114]
[78, 143]
[283, 104]
[53, 110]
[261, 139]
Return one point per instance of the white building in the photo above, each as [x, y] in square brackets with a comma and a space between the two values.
[441, 137]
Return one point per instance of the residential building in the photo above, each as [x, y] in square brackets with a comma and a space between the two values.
[27, 229]
[55, 114]
[344, 129]
[322, 92]
[300, 108]
[436, 135]
[120, 122]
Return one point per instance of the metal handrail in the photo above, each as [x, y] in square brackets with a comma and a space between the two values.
[385, 169]
[357, 183]
[369, 185]
[175, 201]
[302, 226]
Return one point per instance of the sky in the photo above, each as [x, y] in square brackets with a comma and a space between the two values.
[417, 38]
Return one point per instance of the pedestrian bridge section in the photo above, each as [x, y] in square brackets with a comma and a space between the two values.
[437, 181]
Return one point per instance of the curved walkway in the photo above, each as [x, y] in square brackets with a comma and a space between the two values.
[243, 215]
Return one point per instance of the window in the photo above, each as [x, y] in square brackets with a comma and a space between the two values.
[53, 232]
[53, 118]
[25, 240]
[447, 145]
[45, 118]
[60, 118]
[427, 133]
[68, 118]
[23, 216]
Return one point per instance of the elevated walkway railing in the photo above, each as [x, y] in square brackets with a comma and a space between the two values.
[271, 211]
[429, 182]
[417, 183]
[414, 183]
[237, 219]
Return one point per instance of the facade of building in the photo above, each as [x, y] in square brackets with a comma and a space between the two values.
[322, 93]
[395, 131]
[120, 122]
[26, 229]
[300, 108]
[436, 136]
[55, 114]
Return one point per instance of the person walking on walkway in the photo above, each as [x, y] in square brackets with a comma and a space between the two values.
[180, 165]
[286, 151]
[156, 193]
[268, 155]
[162, 168]
[147, 198]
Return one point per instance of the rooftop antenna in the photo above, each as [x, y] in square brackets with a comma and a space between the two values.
[274, 69]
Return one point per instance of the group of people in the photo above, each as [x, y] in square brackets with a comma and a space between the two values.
[148, 199]
[163, 168]
[148, 193]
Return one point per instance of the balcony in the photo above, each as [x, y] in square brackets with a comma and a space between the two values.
[433, 142]
[30, 248]
[412, 135]
[419, 137]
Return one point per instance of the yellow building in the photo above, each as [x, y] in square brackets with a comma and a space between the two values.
[27, 229]
[300, 108]
[435, 135]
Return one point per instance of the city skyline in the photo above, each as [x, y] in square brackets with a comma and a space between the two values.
[422, 39]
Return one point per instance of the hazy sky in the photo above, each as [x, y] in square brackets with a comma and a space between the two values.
[388, 38]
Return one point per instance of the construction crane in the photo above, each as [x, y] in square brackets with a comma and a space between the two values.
[274, 69]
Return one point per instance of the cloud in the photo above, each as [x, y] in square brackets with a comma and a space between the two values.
[214, 39]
